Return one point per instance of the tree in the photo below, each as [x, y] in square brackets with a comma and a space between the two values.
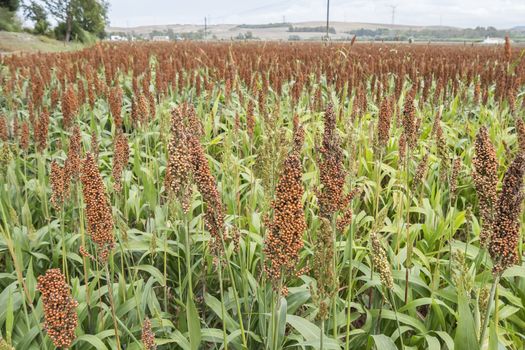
[88, 15]
[63, 11]
[37, 13]
[11, 5]
[92, 16]
[8, 18]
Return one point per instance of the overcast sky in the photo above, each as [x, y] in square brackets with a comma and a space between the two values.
[460, 13]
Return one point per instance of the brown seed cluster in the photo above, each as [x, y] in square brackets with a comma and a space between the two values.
[24, 136]
[41, 130]
[298, 134]
[284, 239]
[73, 161]
[206, 184]
[250, 119]
[98, 210]
[148, 337]
[59, 308]
[193, 122]
[503, 246]
[485, 176]
[187, 160]
[421, 171]
[58, 186]
[456, 168]
[115, 106]
[383, 124]
[178, 171]
[332, 173]
[402, 147]
[69, 106]
[4, 129]
[16, 127]
[507, 48]
[410, 122]
[120, 159]
[142, 109]
[520, 132]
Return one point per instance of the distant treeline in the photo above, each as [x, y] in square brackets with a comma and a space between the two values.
[319, 29]
[264, 26]
[478, 33]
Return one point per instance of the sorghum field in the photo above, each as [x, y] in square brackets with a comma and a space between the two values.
[263, 196]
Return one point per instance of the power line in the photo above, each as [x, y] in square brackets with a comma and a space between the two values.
[255, 9]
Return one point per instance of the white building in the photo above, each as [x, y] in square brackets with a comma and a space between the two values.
[493, 41]
[161, 38]
[117, 38]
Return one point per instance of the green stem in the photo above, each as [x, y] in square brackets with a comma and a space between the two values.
[349, 292]
[223, 309]
[489, 306]
[112, 304]
[393, 301]
[321, 337]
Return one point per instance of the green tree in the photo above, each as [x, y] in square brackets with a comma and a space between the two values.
[63, 11]
[88, 15]
[92, 16]
[8, 18]
[11, 5]
[35, 12]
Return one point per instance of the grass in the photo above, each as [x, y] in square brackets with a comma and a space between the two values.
[24, 42]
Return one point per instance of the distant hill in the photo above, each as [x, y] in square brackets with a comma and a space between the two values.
[314, 30]
[270, 31]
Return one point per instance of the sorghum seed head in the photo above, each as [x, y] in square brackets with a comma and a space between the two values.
[331, 168]
[485, 176]
[456, 168]
[57, 179]
[178, 171]
[98, 210]
[284, 238]
[73, 160]
[69, 106]
[503, 246]
[380, 261]
[383, 125]
[115, 105]
[148, 337]
[24, 136]
[520, 132]
[120, 159]
[214, 214]
[61, 318]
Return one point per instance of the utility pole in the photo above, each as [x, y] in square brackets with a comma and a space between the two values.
[393, 13]
[205, 27]
[327, 19]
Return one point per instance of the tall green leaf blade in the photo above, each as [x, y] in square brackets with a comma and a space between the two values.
[194, 324]
[465, 338]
